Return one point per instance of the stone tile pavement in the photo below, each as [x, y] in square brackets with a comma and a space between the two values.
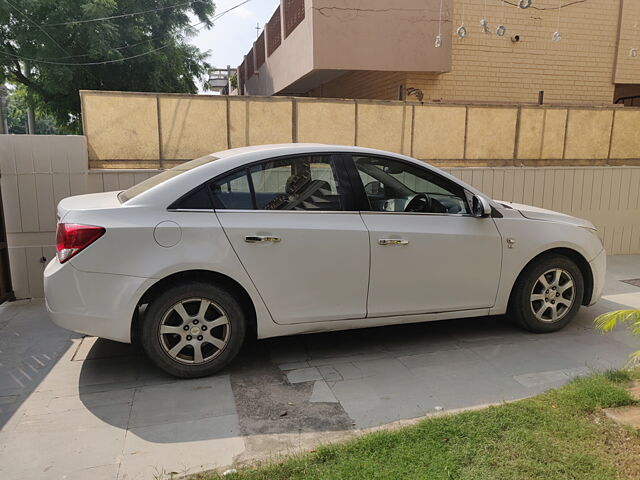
[73, 407]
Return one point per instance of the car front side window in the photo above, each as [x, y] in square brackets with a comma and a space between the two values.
[297, 183]
[395, 186]
[308, 183]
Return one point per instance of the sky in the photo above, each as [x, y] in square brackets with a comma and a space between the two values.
[233, 34]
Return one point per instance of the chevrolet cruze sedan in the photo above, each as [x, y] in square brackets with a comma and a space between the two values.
[287, 239]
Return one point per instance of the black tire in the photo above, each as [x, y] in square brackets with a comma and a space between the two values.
[522, 305]
[161, 312]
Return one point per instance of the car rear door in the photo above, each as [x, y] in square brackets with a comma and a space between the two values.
[439, 260]
[292, 224]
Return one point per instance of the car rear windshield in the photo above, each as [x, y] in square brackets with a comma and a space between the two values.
[145, 185]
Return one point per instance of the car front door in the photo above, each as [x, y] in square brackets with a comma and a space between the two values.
[428, 254]
[292, 225]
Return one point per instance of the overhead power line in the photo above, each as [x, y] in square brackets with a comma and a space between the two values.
[123, 47]
[39, 27]
[105, 62]
[124, 15]
[52, 61]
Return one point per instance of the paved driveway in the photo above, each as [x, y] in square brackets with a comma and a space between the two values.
[73, 407]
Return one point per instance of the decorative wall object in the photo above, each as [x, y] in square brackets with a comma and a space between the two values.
[502, 29]
[484, 21]
[461, 31]
[438, 42]
[557, 36]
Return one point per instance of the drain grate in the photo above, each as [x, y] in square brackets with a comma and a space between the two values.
[634, 281]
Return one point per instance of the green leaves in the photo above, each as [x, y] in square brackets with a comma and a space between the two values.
[64, 36]
[608, 321]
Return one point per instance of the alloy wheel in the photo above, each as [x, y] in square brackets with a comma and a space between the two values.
[552, 295]
[194, 331]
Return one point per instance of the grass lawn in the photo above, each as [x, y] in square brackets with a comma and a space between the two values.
[561, 434]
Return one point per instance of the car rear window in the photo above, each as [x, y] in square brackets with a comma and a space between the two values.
[145, 185]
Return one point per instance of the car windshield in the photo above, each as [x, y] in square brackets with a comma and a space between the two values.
[145, 185]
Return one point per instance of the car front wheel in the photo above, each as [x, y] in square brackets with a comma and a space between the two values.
[547, 295]
[193, 329]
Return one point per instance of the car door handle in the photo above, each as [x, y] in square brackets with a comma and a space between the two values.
[261, 239]
[393, 241]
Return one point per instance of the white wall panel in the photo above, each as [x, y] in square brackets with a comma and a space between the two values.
[36, 175]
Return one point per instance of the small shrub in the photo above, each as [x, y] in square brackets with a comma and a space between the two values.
[608, 321]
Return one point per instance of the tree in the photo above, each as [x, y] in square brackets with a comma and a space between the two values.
[57, 47]
[608, 321]
[17, 105]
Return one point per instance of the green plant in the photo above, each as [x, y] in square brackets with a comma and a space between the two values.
[560, 434]
[18, 102]
[55, 48]
[608, 321]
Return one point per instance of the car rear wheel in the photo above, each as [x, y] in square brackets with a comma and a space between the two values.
[193, 329]
[547, 295]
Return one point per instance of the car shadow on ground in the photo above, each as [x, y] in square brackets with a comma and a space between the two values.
[405, 371]
[30, 347]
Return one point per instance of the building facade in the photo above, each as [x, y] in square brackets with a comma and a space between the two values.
[384, 50]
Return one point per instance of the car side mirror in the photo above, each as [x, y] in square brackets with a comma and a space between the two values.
[480, 207]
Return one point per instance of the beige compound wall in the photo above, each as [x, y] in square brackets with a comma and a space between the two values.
[140, 130]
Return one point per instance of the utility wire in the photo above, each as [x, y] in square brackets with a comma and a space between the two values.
[123, 47]
[533, 7]
[51, 61]
[39, 27]
[124, 15]
[105, 62]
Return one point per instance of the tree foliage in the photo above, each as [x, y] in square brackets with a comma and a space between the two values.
[608, 321]
[16, 110]
[164, 61]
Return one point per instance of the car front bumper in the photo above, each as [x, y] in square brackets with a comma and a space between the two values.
[599, 270]
[94, 304]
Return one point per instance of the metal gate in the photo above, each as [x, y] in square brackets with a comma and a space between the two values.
[6, 291]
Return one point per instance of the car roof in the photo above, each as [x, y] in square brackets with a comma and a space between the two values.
[294, 148]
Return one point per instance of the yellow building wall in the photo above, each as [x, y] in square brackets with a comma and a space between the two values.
[363, 84]
[628, 67]
[486, 68]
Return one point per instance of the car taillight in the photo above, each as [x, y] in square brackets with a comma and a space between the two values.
[72, 238]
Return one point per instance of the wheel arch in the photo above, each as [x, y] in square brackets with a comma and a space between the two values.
[573, 255]
[207, 276]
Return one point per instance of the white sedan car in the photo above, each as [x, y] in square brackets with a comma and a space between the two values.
[298, 238]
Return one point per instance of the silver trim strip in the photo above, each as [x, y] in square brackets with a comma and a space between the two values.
[318, 212]
[192, 210]
[315, 212]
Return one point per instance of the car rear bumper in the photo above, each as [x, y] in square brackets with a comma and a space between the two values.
[599, 271]
[96, 304]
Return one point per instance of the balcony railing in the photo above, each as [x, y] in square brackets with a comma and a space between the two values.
[274, 32]
[259, 48]
[241, 78]
[249, 63]
[293, 15]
